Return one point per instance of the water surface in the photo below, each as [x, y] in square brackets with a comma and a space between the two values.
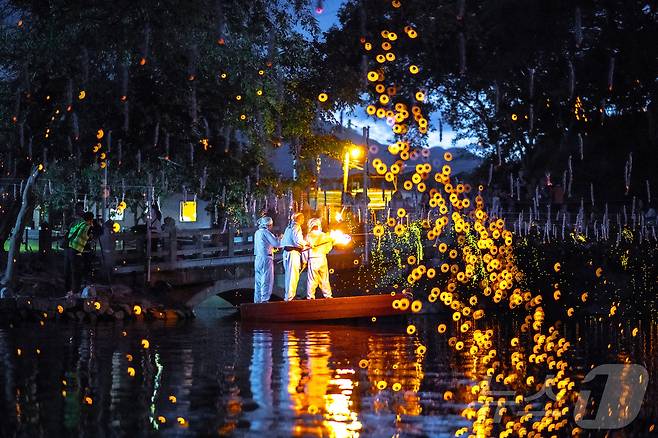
[217, 376]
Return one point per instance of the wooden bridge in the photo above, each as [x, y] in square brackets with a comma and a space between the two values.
[197, 264]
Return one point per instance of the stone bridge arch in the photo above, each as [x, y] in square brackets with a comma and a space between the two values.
[197, 297]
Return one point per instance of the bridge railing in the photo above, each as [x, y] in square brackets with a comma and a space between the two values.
[172, 249]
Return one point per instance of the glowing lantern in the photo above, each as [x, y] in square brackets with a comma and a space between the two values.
[187, 211]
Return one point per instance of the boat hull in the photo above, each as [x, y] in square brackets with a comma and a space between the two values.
[322, 309]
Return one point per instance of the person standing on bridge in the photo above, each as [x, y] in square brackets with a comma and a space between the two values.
[264, 244]
[318, 269]
[293, 244]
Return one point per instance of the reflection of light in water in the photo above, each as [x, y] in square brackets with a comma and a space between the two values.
[154, 395]
[318, 353]
[394, 360]
[340, 418]
[313, 387]
[260, 378]
[291, 370]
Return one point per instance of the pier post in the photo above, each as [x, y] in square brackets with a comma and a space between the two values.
[230, 236]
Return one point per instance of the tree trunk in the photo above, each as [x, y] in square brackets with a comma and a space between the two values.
[14, 240]
[7, 220]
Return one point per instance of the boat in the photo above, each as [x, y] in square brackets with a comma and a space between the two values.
[364, 306]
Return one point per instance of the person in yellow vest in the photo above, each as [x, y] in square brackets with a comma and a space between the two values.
[76, 240]
[318, 269]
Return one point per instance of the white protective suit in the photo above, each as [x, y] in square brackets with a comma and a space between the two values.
[293, 244]
[264, 244]
[318, 269]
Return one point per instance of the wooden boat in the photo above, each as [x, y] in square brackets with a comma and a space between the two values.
[322, 309]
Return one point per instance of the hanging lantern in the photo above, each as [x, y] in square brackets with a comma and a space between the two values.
[126, 116]
[145, 44]
[578, 27]
[17, 106]
[84, 64]
[193, 104]
[611, 72]
[462, 53]
[206, 128]
[21, 135]
[227, 139]
[461, 7]
[591, 193]
[570, 176]
[156, 135]
[75, 127]
[124, 81]
[627, 172]
[496, 96]
[572, 80]
[69, 94]
[221, 23]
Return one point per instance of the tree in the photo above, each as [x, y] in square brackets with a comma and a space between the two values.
[190, 96]
[528, 84]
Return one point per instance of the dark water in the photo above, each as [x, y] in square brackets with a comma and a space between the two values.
[216, 376]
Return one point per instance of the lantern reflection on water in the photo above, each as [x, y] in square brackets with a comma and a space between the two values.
[318, 377]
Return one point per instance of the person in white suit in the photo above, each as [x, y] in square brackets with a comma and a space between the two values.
[293, 244]
[264, 244]
[318, 269]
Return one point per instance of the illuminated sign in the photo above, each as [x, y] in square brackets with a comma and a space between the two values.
[188, 211]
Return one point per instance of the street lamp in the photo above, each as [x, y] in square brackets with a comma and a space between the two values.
[354, 152]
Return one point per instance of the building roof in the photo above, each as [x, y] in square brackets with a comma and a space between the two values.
[463, 161]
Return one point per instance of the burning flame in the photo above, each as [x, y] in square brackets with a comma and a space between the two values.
[340, 238]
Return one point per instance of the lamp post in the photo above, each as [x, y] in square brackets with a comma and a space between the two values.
[352, 153]
[366, 138]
